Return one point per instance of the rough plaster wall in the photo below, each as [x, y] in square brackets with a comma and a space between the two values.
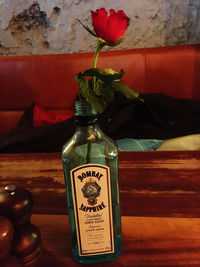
[49, 26]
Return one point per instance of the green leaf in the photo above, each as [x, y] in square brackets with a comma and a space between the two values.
[125, 90]
[110, 71]
[83, 84]
[98, 104]
[104, 89]
[103, 75]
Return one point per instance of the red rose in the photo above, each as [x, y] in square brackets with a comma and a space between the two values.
[109, 28]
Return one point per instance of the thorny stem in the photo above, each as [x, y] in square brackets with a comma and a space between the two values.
[96, 55]
[89, 147]
[99, 46]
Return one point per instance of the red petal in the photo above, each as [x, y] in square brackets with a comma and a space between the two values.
[109, 28]
[117, 25]
[99, 21]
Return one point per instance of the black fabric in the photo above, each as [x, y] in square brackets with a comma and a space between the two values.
[159, 117]
[26, 138]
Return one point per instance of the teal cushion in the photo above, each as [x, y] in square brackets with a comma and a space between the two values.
[129, 144]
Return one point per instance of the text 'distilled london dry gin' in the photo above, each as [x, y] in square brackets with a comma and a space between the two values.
[90, 163]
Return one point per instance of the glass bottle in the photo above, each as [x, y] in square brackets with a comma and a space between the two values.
[90, 164]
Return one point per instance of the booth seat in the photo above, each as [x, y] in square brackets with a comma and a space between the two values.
[48, 80]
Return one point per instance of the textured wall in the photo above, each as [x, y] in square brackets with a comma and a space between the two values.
[49, 26]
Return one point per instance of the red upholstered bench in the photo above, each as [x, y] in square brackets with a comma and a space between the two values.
[49, 79]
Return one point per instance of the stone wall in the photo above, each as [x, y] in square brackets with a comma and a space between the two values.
[50, 26]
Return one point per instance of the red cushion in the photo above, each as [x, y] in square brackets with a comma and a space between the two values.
[42, 117]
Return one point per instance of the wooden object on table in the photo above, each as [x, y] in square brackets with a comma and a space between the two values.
[6, 236]
[160, 200]
[25, 239]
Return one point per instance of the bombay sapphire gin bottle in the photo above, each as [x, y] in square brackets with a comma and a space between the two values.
[90, 163]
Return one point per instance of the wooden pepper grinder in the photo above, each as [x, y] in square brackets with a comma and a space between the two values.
[6, 236]
[16, 204]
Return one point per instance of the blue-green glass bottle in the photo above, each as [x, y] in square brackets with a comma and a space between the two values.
[90, 164]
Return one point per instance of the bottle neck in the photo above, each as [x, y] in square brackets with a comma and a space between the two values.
[85, 121]
[85, 114]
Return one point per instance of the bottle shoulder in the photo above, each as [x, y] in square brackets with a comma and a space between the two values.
[86, 135]
[97, 139]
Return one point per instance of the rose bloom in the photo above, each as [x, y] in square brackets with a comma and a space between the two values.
[109, 28]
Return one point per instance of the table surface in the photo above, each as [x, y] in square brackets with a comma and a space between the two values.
[160, 202]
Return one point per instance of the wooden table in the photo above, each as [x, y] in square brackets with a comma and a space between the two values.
[160, 201]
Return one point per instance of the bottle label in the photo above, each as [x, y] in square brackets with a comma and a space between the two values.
[93, 209]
